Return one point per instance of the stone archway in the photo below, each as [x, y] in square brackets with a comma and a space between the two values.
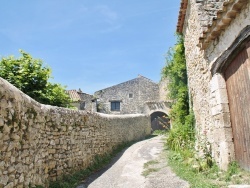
[159, 121]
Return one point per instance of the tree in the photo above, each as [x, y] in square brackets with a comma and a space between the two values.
[181, 135]
[31, 77]
[175, 71]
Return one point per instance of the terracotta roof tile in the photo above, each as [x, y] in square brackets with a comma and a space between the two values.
[182, 14]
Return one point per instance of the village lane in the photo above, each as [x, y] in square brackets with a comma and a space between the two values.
[126, 171]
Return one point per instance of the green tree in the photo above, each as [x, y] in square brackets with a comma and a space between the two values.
[175, 71]
[182, 132]
[31, 77]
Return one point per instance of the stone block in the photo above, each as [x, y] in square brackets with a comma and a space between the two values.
[4, 179]
[52, 164]
[11, 169]
[224, 158]
[10, 185]
[1, 122]
[15, 136]
[52, 151]
[222, 120]
[19, 186]
[221, 96]
[220, 108]
[52, 142]
[217, 82]
[12, 177]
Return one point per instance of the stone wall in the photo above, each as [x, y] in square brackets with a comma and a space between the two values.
[198, 73]
[40, 142]
[163, 89]
[80, 100]
[141, 90]
[208, 92]
[223, 137]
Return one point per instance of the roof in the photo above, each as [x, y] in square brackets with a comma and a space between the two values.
[139, 77]
[224, 15]
[222, 21]
[76, 96]
[182, 14]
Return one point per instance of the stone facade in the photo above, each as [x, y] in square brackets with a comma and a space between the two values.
[209, 28]
[131, 95]
[41, 142]
[163, 90]
[80, 100]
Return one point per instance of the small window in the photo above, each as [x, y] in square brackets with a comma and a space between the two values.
[130, 95]
[115, 106]
[82, 106]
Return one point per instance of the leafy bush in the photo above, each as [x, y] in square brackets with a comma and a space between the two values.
[31, 77]
[181, 135]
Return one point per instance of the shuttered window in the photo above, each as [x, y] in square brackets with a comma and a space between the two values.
[115, 106]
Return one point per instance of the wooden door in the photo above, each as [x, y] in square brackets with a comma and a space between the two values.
[237, 76]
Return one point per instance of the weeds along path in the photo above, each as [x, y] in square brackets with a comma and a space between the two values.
[142, 165]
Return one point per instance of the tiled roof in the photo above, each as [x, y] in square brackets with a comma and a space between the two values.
[78, 95]
[182, 14]
[222, 21]
[74, 95]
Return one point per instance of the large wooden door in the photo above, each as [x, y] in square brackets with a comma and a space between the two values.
[237, 76]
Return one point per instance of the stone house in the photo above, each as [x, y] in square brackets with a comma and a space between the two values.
[80, 100]
[137, 96]
[128, 97]
[217, 48]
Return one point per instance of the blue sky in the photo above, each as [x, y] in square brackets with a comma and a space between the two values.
[91, 44]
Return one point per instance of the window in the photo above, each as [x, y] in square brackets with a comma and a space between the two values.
[130, 95]
[82, 105]
[115, 106]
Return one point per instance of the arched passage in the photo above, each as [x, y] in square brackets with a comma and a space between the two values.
[159, 121]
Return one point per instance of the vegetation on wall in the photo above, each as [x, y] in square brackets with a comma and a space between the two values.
[199, 171]
[31, 77]
[181, 135]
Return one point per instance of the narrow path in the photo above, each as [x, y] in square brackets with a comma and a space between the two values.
[127, 171]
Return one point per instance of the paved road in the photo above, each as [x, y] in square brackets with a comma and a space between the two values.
[127, 170]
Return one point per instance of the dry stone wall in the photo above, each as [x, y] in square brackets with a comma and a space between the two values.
[40, 142]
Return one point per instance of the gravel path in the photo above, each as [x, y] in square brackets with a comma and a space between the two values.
[127, 168]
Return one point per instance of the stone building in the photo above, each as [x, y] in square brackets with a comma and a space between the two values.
[80, 100]
[128, 97]
[137, 96]
[217, 48]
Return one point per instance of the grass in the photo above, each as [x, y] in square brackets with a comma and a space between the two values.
[160, 132]
[152, 162]
[210, 177]
[149, 168]
[148, 171]
[195, 178]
